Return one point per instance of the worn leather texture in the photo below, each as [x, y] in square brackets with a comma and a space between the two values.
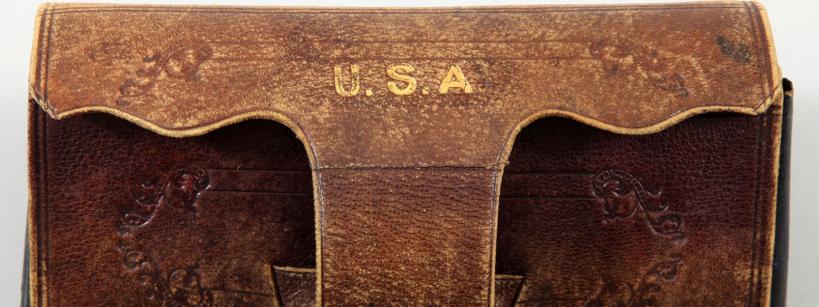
[531, 156]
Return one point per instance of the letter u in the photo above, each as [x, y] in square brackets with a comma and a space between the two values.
[355, 84]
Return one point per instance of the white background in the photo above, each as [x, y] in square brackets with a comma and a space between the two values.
[796, 34]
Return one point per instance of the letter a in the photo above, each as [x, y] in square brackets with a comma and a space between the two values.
[455, 79]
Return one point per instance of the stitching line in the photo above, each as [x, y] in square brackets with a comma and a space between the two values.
[394, 11]
[753, 273]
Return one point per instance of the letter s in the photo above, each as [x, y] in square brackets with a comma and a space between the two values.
[398, 72]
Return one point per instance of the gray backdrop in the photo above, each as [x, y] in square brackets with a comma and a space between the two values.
[796, 33]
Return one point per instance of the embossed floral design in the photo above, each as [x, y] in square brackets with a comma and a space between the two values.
[184, 186]
[185, 289]
[623, 196]
[181, 287]
[626, 58]
[109, 51]
[179, 190]
[181, 62]
[624, 295]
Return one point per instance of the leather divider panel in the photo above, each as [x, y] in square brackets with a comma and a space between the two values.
[407, 237]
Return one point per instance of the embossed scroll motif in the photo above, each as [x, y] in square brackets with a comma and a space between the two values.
[625, 295]
[622, 196]
[180, 62]
[180, 287]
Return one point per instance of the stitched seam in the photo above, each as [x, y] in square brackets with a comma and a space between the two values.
[40, 49]
[46, 235]
[394, 11]
[765, 242]
[37, 208]
[493, 246]
[760, 45]
[757, 170]
[43, 236]
[409, 168]
[763, 44]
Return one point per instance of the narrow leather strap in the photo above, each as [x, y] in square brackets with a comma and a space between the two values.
[407, 237]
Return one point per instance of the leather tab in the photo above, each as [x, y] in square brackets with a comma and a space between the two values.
[407, 237]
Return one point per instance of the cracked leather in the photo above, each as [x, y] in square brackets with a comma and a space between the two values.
[411, 161]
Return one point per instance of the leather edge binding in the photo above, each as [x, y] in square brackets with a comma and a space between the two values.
[36, 62]
[779, 276]
[35, 282]
[35, 49]
[769, 100]
[276, 116]
[80, 6]
[318, 197]
[767, 34]
[30, 276]
[497, 179]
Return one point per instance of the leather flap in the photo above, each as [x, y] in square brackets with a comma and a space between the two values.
[403, 76]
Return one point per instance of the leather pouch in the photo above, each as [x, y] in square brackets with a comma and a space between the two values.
[532, 156]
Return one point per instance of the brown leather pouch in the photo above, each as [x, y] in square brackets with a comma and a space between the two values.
[532, 156]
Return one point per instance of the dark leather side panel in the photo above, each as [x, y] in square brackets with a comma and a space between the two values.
[133, 218]
[677, 218]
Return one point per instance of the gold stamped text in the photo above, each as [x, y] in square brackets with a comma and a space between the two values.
[397, 72]
[401, 81]
[354, 80]
[455, 79]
